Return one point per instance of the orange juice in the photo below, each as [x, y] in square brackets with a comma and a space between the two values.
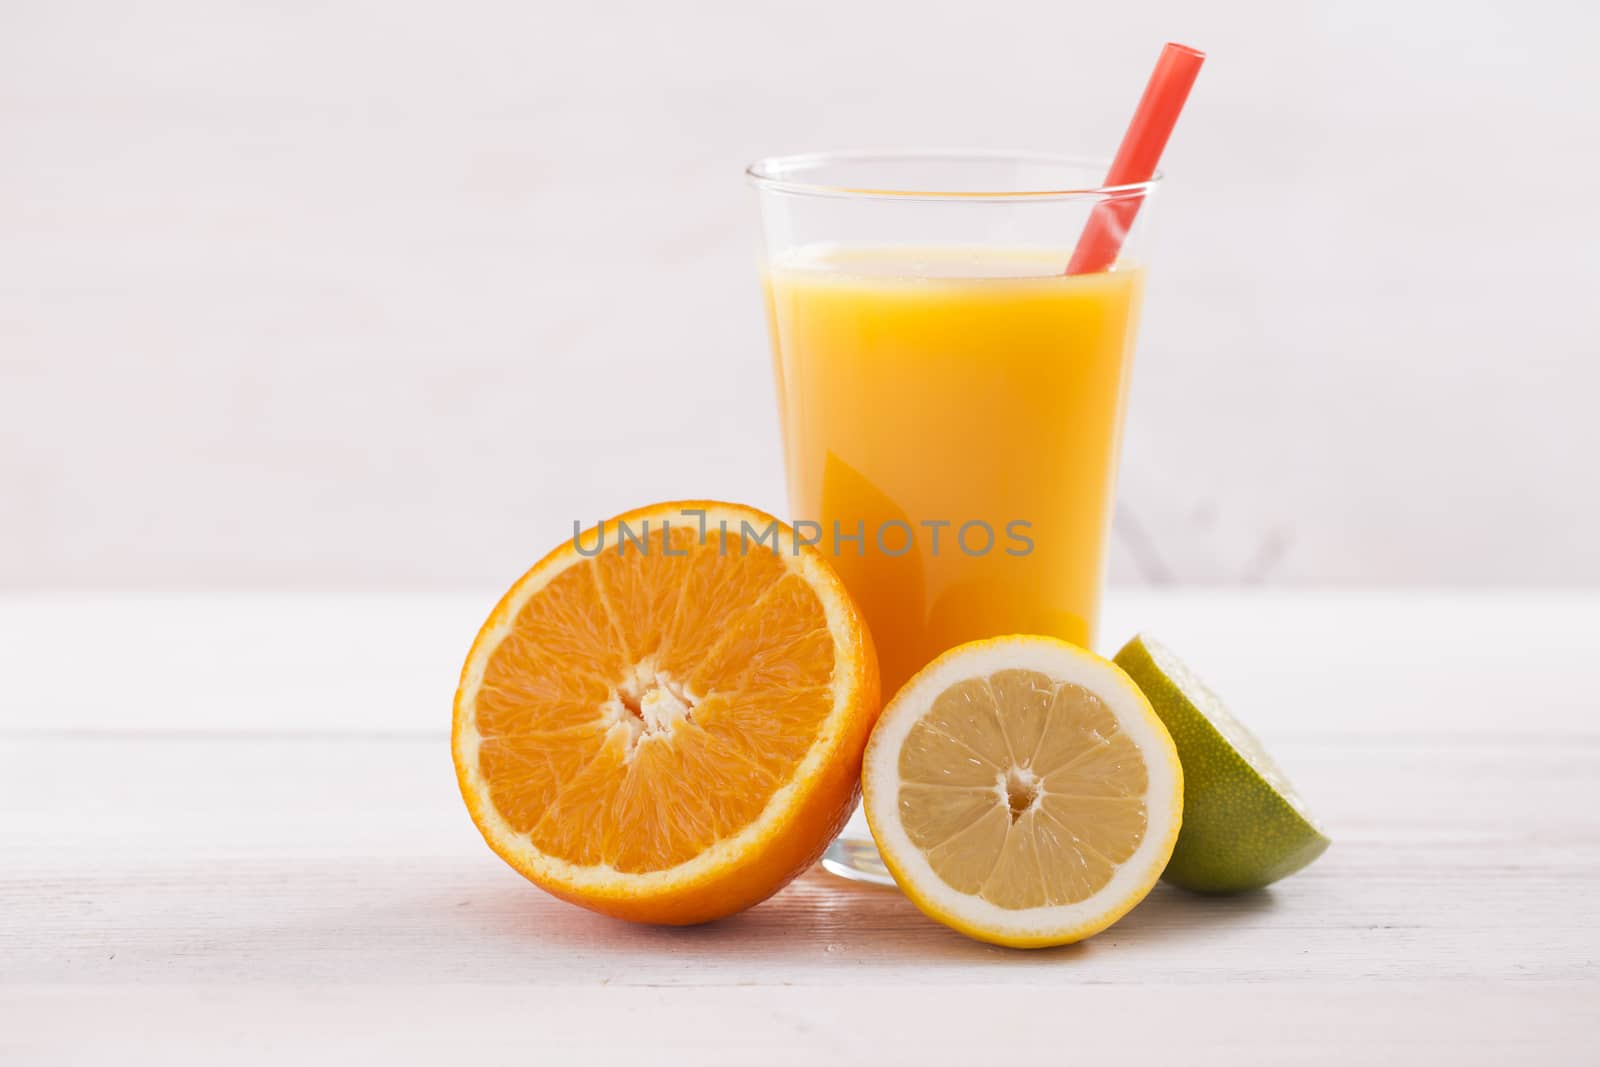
[951, 419]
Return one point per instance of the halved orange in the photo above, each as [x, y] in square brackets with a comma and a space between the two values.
[664, 719]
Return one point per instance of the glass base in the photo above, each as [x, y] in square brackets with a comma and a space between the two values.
[856, 858]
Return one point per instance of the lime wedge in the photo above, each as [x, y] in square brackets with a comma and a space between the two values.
[1244, 826]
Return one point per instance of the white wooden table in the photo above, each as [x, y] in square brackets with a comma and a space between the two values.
[229, 832]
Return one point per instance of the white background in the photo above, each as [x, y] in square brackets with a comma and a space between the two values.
[386, 294]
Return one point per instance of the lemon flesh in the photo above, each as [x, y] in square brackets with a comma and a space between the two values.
[1244, 826]
[1022, 791]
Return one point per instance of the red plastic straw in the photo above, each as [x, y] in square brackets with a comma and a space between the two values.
[1137, 157]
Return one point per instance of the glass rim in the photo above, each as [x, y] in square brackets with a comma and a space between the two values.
[773, 173]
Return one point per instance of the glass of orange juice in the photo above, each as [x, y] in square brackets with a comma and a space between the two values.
[950, 399]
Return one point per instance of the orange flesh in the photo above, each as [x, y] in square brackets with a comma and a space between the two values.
[645, 706]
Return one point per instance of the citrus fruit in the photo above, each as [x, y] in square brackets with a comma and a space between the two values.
[1022, 791]
[663, 720]
[1243, 824]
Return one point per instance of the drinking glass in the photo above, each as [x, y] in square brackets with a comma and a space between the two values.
[950, 399]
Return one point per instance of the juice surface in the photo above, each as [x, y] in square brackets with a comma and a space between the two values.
[960, 409]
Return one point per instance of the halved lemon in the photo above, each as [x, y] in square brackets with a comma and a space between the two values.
[666, 724]
[1022, 791]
